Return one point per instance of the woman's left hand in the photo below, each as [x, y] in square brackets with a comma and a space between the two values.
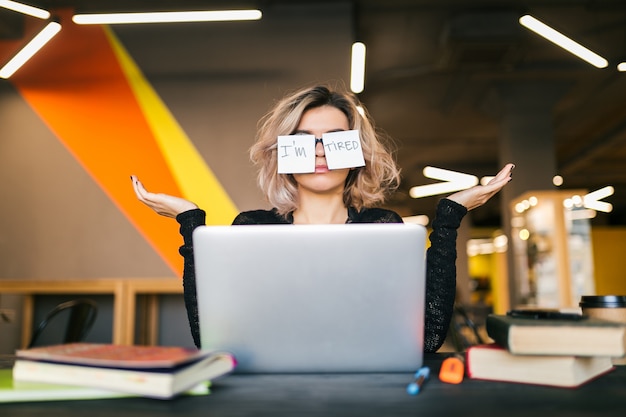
[478, 195]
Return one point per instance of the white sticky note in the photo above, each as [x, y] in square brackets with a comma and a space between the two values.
[343, 149]
[296, 154]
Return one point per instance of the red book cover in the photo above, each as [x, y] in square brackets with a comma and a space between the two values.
[114, 356]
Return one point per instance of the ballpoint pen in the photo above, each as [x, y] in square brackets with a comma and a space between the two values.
[418, 380]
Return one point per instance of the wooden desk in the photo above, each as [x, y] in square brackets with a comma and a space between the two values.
[124, 291]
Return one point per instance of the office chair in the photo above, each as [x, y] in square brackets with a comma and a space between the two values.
[82, 314]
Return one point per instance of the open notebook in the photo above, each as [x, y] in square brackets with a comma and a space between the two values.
[314, 298]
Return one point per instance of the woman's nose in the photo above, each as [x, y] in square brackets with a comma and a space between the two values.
[319, 147]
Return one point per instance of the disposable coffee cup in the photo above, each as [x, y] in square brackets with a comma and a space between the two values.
[606, 307]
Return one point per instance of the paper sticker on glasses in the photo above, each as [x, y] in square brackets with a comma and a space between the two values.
[296, 153]
[343, 149]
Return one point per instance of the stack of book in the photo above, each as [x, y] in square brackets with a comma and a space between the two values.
[562, 351]
[152, 371]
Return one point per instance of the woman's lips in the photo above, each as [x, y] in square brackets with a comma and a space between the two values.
[319, 169]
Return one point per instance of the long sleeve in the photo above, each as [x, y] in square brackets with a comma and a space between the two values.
[441, 273]
[188, 221]
[440, 257]
[440, 265]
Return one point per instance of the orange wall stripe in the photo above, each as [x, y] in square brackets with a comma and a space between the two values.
[77, 87]
[194, 177]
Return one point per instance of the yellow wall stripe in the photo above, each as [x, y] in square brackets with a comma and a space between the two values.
[195, 179]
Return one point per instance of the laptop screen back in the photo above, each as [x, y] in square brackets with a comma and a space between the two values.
[314, 298]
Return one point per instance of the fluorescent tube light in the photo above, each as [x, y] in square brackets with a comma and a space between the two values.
[563, 41]
[447, 175]
[581, 214]
[357, 74]
[420, 219]
[30, 49]
[166, 17]
[25, 9]
[591, 200]
[453, 181]
[434, 189]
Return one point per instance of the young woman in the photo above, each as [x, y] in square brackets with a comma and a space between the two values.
[348, 195]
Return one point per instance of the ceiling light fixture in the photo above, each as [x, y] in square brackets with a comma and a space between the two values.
[166, 17]
[621, 66]
[357, 72]
[557, 180]
[581, 214]
[420, 219]
[563, 41]
[591, 200]
[25, 9]
[30, 49]
[454, 181]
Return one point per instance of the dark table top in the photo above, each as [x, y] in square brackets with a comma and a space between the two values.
[356, 395]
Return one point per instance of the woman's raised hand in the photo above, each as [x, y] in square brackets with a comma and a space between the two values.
[164, 204]
[478, 195]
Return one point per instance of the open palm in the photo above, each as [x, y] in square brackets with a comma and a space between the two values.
[478, 195]
[164, 204]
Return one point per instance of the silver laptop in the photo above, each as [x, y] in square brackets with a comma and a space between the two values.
[314, 298]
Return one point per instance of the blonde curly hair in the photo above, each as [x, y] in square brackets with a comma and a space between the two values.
[365, 186]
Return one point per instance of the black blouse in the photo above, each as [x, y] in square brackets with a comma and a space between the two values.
[440, 260]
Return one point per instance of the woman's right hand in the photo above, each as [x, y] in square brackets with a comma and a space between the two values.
[164, 204]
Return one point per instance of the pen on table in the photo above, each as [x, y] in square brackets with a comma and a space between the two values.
[418, 380]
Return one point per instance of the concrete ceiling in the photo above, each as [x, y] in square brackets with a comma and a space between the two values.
[431, 69]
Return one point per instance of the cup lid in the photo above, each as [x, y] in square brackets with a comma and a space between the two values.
[603, 301]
